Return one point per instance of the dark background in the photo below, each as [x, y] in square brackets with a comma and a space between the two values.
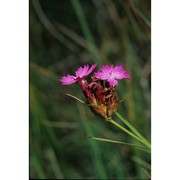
[66, 34]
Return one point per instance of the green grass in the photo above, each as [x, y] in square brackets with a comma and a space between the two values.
[63, 36]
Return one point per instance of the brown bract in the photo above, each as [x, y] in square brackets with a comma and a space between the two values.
[100, 97]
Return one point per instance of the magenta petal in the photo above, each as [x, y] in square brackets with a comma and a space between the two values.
[122, 76]
[106, 69]
[119, 69]
[66, 80]
[112, 82]
[84, 71]
[127, 76]
[120, 73]
[80, 74]
[111, 73]
[91, 69]
[101, 75]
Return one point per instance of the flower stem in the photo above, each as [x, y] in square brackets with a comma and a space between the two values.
[130, 133]
[134, 130]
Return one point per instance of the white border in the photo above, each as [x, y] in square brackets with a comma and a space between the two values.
[165, 89]
[14, 95]
[14, 127]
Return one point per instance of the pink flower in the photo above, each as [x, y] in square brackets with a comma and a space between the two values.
[79, 75]
[111, 73]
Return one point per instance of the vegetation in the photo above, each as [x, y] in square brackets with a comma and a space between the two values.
[66, 139]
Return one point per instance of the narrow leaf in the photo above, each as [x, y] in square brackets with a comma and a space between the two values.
[120, 142]
[70, 95]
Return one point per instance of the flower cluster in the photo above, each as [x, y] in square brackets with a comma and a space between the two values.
[100, 95]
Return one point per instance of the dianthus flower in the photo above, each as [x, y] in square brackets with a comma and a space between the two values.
[79, 75]
[100, 97]
[111, 73]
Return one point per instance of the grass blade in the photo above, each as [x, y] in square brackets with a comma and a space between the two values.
[120, 142]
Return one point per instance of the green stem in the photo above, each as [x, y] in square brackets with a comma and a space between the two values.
[130, 133]
[135, 131]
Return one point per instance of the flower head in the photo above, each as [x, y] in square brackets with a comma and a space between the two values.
[111, 73]
[79, 75]
[101, 98]
[102, 101]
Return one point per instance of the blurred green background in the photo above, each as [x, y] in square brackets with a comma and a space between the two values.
[66, 34]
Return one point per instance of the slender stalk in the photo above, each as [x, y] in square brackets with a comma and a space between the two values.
[130, 133]
[135, 131]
